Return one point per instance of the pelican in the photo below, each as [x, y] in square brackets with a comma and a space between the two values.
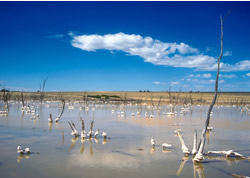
[90, 133]
[96, 133]
[83, 134]
[50, 118]
[153, 142]
[209, 128]
[166, 146]
[20, 150]
[27, 150]
[104, 134]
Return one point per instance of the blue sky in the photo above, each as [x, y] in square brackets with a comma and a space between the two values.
[123, 46]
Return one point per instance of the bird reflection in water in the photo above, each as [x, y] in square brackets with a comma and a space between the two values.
[96, 141]
[152, 149]
[21, 156]
[50, 126]
[91, 148]
[83, 140]
[74, 139]
[104, 141]
[82, 146]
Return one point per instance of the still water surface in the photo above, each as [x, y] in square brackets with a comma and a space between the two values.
[128, 152]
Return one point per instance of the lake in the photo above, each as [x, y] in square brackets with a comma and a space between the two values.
[127, 152]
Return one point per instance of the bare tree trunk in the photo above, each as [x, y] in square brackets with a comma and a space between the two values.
[42, 89]
[22, 98]
[60, 115]
[199, 156]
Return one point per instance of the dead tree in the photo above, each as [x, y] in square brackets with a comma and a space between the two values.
[199, 156]
[42, 87]
[173, 100]
[60, 115]
[22, 98]
[6, 97]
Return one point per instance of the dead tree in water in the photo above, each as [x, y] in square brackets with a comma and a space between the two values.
[42, 87]
[6, 97]
[173, 100]
[22, 98]
[199, 156]
[60, 115]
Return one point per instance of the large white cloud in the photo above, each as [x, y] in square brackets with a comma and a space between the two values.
[155, 51]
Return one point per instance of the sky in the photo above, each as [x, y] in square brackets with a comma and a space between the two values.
[124, 46]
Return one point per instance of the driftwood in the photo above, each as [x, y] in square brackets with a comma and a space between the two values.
[229, 153]
[239, 176]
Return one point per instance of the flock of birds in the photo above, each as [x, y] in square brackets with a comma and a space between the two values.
[165, 146]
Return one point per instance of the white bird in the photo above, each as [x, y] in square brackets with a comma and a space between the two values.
[27, 150]
[104, 134]
[83, 134]
[96, 133]
[209, 128]
[50, 118]
[20, 150]
[166, 146]
[153, 142]
[90, 133]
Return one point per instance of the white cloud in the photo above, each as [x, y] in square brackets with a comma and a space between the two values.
[56, 36]
[155, 51]
[248, 74]
[206, 75]
[208, 49]
[204, 81]
[229, 76]
[197, 75]
[174, 83]
[227, 53]
[157, 83]
[221, 81]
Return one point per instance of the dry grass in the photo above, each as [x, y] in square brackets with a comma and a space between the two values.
[231, 98]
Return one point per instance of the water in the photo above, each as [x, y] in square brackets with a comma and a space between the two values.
[128, 152]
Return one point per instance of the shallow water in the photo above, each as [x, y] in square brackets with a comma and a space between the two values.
[128, 152]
